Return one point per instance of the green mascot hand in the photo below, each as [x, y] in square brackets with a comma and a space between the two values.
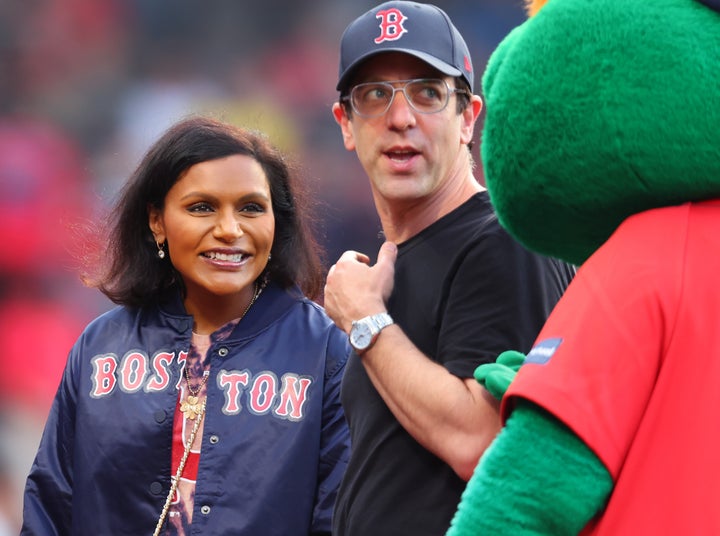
[496, 377]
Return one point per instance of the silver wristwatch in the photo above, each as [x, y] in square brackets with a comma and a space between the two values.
[365, 331]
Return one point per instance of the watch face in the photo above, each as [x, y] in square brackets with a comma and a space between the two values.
[360, 336]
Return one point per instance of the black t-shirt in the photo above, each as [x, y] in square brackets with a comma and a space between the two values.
[464, 292]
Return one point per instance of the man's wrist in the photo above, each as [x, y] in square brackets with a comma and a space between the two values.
[364, 332]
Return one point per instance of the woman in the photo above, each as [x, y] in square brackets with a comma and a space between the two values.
[210, 397]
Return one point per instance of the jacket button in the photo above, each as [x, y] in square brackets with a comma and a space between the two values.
[160, 416]
[156, 488]
[205, 509]
[214, 439]
[222, 352]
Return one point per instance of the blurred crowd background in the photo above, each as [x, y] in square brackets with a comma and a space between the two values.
[87, 85]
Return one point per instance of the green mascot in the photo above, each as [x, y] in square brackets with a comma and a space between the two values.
[601, 146]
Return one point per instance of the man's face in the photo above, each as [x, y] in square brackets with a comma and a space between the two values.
[407, 155]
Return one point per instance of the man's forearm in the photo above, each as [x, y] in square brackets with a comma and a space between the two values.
[455, 419]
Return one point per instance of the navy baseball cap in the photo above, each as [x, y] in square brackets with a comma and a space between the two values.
[421, 30]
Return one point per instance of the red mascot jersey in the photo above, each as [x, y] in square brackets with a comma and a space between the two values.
[630, 361]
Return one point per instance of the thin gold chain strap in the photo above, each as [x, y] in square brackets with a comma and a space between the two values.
[176, 478]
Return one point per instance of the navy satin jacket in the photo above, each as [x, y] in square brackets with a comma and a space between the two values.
[275, 442]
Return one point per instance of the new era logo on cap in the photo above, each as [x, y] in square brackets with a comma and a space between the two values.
[421, 30]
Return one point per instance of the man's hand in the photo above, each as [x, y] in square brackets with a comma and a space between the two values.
[354, 289]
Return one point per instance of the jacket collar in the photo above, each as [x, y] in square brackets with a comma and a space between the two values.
[273, 303]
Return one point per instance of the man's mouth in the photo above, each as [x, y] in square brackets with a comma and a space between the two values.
[401, 156]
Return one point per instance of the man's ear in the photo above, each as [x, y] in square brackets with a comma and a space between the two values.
[470, 115]
[342, 119]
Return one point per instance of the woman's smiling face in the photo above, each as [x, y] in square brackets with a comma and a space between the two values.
[219, 225]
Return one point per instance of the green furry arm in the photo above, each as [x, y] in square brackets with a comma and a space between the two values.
[536, 478]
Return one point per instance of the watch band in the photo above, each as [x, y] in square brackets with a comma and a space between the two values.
[381, 320]
[365, 331]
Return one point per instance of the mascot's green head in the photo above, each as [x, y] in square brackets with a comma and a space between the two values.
[598, 109]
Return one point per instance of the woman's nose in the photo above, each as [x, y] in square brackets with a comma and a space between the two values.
[228, 226]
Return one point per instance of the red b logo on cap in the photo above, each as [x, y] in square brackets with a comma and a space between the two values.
[391, 25]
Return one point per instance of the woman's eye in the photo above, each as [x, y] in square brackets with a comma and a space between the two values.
[200, 207]
[252, 207]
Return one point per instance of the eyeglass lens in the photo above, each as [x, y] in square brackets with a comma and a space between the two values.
[375, 98]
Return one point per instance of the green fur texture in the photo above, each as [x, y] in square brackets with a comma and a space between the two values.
[573, 486]
[598, 109]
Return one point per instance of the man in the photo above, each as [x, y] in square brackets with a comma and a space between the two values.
[450, 289]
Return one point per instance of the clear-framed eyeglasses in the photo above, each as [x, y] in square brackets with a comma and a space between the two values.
[425, 96]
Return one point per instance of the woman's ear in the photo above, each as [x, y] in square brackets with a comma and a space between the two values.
[155, 222]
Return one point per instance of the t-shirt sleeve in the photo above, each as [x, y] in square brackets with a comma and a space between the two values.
[499, 299]
[595, 362]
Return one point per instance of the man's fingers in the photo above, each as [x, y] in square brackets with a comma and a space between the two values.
[354, 256]
[387, 254]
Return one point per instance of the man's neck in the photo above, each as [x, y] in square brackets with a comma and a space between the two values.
[401, 220]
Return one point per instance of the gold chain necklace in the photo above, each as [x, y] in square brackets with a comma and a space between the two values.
[193, 411]
[190, 407]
